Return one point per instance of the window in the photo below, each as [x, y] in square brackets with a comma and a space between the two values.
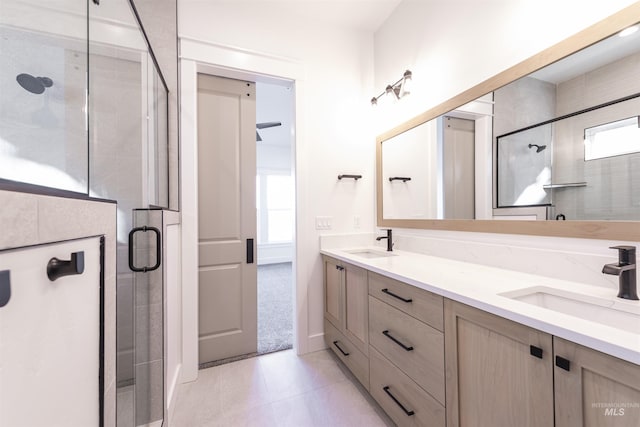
[275, 207]
[612, 139]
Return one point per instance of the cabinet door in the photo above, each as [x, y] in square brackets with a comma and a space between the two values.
[597, 390]
[492, 377]
[333, 274]
[356, 326]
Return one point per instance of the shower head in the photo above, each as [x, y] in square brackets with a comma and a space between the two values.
[539, 148]
[35, 85]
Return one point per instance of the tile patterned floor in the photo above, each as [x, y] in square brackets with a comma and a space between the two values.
[278, 389]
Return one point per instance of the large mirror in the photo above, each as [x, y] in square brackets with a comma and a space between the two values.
[564, 144]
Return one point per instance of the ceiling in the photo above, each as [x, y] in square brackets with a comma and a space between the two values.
[366, 15]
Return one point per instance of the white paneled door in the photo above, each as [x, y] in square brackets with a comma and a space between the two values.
[226, 218]
[50, 335]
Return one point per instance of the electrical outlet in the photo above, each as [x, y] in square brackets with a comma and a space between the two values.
[356, 221]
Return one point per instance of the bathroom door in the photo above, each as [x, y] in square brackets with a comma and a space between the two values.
[51, 335]
[226, 218]
[146, 392]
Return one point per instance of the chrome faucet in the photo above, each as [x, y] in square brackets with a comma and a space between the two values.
[389, 240]
[625, 269]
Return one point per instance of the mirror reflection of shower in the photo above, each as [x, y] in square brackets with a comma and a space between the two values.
[539, 148]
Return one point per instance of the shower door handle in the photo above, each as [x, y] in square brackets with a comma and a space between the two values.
[5, 287]
[145, 269]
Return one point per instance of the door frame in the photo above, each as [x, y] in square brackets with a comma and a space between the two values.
[197, 56]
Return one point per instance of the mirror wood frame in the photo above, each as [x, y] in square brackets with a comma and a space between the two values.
[610, 230]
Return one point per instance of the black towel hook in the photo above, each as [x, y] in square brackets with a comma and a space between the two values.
[57, 268]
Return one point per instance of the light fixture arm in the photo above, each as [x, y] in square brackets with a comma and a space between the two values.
[396, 88]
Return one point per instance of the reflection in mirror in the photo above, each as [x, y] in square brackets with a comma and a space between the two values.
[43, 82]
[566, 135]
[600, 67]
[429, 171]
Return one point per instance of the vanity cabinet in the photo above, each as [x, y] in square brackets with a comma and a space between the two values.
[406, 352]
[596, 390]
[346, 315]
[499, 372]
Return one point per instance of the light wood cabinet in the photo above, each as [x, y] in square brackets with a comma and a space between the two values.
[499, 372]
[346, 312]
[333, 277]
[402, 399]
[413, 346]
[428, 360]
[597, 390]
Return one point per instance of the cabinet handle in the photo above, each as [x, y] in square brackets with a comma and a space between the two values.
[395, 340]
[338, 267]
[563, 363]
[388, 292]
[408, 412]
[57, 268]
[535, 351]
[341, 350]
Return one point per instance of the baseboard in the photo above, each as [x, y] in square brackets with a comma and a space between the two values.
[172, 390]
[274, 260]
[316, 343]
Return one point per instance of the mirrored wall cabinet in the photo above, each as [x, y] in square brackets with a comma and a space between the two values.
[553, 142]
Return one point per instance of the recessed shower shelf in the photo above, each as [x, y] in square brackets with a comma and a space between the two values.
[565, 185]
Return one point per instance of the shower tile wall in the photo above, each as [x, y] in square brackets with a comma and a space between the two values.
[42, 136]
[522, 103]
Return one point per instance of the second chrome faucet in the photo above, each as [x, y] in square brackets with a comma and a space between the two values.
[389, 238]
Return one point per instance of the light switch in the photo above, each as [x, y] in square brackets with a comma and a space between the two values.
[323, 222]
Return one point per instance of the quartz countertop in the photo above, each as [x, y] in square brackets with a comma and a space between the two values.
[480, 286]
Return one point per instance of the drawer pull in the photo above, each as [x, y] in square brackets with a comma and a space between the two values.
[339, 267]
[388, 292]
[341, 350]
[395, 340]
[563, 363]
[386, 390]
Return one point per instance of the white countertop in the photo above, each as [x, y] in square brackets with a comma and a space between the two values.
[479, 286]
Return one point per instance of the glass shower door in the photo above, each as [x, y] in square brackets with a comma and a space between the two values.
[144, 393]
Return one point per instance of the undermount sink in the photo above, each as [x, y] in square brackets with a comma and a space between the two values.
[370, 253]
[620, 314]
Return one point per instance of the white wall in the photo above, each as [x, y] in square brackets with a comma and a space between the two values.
[332, 132]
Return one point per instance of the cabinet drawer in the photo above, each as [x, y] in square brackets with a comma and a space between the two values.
[424, 305]
[414, 347]
[388, 381]
[355, 360]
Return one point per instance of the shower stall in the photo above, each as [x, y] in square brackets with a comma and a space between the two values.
[84, 112]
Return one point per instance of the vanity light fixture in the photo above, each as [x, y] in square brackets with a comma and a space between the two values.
[397, 90]
[628, 31]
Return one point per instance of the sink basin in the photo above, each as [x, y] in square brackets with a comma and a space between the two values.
[615, 312]
[369, 253]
